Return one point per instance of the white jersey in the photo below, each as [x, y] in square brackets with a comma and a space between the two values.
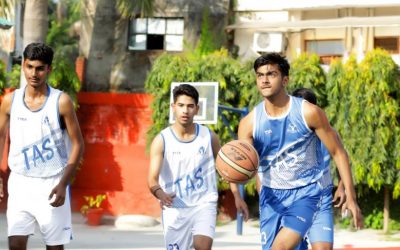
[188, 168]
[39, 146]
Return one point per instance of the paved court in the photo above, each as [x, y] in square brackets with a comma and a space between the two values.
[150, 238]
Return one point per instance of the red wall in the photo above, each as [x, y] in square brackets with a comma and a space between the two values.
[115, 161]
[114, 128]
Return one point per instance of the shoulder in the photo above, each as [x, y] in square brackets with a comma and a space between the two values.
[64, 99]
[6, 102]
[313, 114]
[248, 119]
[65, 103]
[157, 145]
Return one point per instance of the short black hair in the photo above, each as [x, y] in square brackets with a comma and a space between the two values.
[273, 58]
[306, 94]
[40, 52]
[186, 89]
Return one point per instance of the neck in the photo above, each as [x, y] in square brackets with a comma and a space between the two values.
[277, 105]
[36, 91]
[184, 132]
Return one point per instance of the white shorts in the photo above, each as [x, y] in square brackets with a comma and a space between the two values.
[28, 205]
[181, 224]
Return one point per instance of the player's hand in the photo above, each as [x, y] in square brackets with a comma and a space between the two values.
[340, 196]
[358, 219]
[1, 190]
[165, 199]
[57, 196]
[241, 207]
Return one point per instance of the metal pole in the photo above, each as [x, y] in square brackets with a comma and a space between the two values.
[243, 112]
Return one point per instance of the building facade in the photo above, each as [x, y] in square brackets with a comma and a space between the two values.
[331, 29]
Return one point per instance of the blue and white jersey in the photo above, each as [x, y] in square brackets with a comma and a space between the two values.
[188, 169]
[290, 152]
[39, 146]
[326, 179]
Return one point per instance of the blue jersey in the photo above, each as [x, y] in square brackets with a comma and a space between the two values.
[326, 179]
[290, 152]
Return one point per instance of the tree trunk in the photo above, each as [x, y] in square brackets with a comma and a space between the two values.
[61, 11]
[35, 25]
[386, 210]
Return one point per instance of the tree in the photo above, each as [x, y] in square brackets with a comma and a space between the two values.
[306, 72]
[364, 106]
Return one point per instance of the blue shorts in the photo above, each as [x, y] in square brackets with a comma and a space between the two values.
[322, 227]
[289, 208]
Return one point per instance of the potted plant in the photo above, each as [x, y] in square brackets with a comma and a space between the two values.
[92, 209]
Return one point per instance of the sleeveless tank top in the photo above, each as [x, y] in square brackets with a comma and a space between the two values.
[290, 152]
[326, 179]
[39, 147]
[188, 168]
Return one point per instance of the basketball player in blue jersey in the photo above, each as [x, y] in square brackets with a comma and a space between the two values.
[320, 234]
[182, 175]
[46, 146]
[286, 131]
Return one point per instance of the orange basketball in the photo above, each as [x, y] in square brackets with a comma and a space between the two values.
[237, 161]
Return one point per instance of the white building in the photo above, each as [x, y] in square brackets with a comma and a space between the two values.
[332, 29]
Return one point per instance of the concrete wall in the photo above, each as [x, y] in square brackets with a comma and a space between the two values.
[104, 41]
[115, 161]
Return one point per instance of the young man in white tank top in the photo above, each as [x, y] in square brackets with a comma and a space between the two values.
[46, 146]
[182, 176]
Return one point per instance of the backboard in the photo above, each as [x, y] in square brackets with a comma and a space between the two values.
[208, 102]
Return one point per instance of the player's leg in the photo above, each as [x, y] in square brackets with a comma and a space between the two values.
[270, 217]
[20, 221]
[202, 242]
[17, 242]
[204, 222]
[60, 247]
[321, 232]
[177, 228]
[298, 209]
[55, 223]
[286, 239]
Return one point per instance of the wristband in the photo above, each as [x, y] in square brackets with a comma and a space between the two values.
[154, 189]
[155, 192]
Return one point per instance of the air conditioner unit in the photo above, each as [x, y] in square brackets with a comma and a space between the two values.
[268, 41]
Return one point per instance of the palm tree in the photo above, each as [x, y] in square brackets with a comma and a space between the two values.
[35, 23]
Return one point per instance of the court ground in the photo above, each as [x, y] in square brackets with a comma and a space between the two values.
[129, 235]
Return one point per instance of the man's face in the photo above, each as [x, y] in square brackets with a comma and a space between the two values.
[269, 80]
[36, 72]
[184, 109]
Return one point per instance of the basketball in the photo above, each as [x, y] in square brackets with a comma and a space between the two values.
[237, 161]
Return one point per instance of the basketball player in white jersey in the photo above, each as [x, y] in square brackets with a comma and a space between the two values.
[285, 130]
[46, 146]
[182, 175]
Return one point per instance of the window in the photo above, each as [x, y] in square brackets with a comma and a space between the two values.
[156, 34]
[326, 49]
[391, 44]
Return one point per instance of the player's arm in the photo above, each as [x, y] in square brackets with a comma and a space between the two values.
[4, 125]
[245, 132]
[317, 120]
[340, 194]
[68, 116]
[216, 146]
[156, 161]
